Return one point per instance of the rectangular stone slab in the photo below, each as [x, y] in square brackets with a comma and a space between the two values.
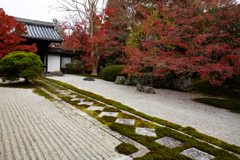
[169, 142]
[125, 121]
[85, 102]
[72, 96]
[95, 108]
[196, 154]
[77, 99]
[65, 93]
[146, 132]
[59, 90]
[112, 114]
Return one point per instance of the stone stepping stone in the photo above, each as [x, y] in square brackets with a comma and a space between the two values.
[169, 142]
[77, 99]
[196, 154]
[95, 108]
[59, 90]
[52, 87]
[65, 93]
[86, 103]
[72, 96]
[125, 121]
[146, 132]
[112, 114]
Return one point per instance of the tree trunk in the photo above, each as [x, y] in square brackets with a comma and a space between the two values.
[94, 70]
[26, 80]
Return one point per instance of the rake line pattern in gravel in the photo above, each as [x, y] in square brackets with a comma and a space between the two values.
[30, 129]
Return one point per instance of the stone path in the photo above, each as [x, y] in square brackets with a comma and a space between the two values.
[32, 127]
[89, 143]
[142, 150]
[166, 141]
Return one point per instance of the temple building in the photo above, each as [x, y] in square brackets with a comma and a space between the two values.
[43, 34]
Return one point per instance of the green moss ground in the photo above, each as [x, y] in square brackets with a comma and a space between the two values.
[157, 151]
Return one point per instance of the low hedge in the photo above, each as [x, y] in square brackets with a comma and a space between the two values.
[111, 72]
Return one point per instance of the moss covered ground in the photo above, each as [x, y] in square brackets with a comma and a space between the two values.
[157, 151]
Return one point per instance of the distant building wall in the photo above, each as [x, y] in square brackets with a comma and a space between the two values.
[53, 63]
[65, 60]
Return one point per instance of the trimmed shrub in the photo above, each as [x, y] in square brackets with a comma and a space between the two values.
[111, 72]
[69, 68]
[21, 64]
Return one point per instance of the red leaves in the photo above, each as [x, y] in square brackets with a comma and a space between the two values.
[187, 38]
[10, 40]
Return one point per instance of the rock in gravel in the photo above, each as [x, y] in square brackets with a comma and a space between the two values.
[120, 79]
[88, 79]
[185, 85]
[128, 82]
[145, 89]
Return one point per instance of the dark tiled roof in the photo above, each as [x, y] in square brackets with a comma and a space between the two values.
[55, 50]
[40, 30]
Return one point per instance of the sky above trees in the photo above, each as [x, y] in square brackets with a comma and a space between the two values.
[31, 9]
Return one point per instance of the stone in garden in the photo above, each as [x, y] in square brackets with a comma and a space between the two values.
[139, 87]
[185, 85]
[65, 93]
[77, 99]
[125, 121]
[72, 96]
[95, 108]
[86, 103]
[196, 154]
[128, 82]
[145, 89]
[149, 90]
[120, 79]
[112, 114]
[169, 142]
[143, 80]
[60, 90]
[88, 79]
[146, 132]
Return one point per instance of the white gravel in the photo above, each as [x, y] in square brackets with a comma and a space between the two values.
[32, 127]
[173, 106]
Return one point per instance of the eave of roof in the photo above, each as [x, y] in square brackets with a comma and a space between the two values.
[40, 30]
[56, 50]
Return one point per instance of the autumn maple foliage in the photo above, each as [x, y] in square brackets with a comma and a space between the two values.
[103, 42]
[187, 37]
[10, 31]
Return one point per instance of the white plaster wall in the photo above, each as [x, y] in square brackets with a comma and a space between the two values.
[53, 63]
[45, 62]
[66, 60]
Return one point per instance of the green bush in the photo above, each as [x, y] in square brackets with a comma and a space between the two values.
[69, 68]
[21, 64]
[111, 72]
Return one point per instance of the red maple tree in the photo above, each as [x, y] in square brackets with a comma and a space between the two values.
[187, 37]
[103, 42]
[10, 31]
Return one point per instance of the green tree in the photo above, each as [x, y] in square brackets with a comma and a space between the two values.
[21, 64]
